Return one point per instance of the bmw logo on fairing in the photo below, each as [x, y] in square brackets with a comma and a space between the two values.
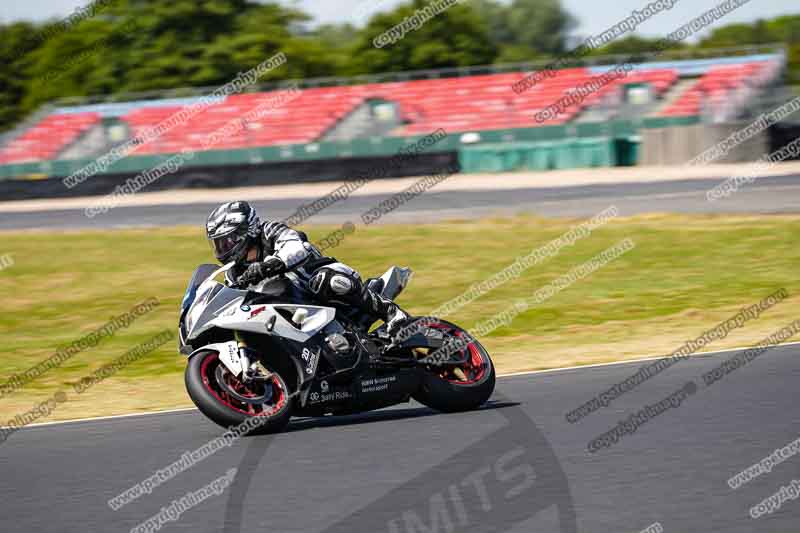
[245, 308]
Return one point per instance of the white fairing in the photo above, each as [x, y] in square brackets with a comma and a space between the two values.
[228, 354]
[230, 313]
[256, 318]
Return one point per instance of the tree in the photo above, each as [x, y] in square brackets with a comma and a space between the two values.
[632, 45]
[541, 25]
[260, 32]
[526, 29]
[785, 29]
[16, 42]
[177, 43]
[78, 62]
[730, 36]
[495, 15]
[455, 37]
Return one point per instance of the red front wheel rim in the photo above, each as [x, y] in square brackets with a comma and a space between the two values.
[212, 370]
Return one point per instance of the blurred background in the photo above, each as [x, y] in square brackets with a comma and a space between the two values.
[76, 86]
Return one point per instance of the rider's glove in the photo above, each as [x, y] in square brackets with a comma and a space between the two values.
[271, 266]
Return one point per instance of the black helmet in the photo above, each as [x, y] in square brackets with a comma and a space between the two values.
[230, 228]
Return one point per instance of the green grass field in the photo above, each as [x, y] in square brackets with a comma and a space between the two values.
[686, 274]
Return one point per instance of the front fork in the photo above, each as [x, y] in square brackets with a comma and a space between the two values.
[250, 371]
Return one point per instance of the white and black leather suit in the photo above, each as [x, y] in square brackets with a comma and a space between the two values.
[328, 281]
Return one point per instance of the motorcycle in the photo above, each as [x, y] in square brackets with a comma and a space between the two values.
[264, 352]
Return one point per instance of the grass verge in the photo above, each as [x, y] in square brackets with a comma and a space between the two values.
[686, 274]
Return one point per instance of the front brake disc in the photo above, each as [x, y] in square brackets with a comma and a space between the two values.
[222, 373]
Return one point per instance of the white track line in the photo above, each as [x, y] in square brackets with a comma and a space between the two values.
[631, 361]
[513, 374]
[110, 417]
[461, 182]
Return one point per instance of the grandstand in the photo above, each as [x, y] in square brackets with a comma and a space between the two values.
[712, 89]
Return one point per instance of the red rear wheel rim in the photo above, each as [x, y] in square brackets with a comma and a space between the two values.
[475, 366]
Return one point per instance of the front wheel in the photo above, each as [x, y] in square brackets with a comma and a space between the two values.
[228, 401]
[452, 389]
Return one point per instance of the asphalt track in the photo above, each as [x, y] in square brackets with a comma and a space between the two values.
[766, 195]
[516, 465]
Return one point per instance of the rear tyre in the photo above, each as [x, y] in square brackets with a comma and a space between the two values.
[468, 387]
[227, 401]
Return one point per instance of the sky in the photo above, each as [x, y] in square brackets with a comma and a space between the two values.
[594, 16]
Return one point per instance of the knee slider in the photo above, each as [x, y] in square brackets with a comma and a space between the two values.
[335, 285]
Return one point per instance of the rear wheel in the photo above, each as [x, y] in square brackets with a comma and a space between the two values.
[228, 401]
[458, 388]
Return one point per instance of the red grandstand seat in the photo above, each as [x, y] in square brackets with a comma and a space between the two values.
[48, 137]
[713, 86]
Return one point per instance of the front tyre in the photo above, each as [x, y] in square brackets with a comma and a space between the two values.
[452, 389]
[226, 400]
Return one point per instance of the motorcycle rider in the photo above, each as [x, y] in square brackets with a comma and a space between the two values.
[269, 248]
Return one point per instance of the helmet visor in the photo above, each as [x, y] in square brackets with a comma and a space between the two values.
[226, 245]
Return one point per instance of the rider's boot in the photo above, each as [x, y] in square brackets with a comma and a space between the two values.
[384, 309]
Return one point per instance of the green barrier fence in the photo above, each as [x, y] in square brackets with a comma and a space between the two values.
[543, 155]
[555, 148]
